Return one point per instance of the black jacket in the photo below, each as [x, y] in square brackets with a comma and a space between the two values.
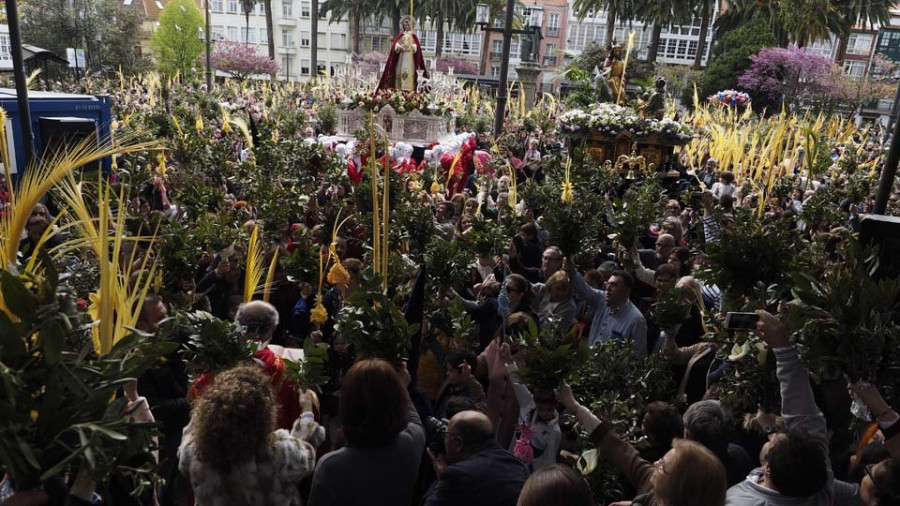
[489, 476]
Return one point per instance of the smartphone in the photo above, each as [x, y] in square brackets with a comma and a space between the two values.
[741, 321]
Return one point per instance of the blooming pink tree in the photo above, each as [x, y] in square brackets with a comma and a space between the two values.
[241, 60]
[460, 66]
[786, 76]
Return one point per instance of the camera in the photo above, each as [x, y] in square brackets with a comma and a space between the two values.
[435, 430]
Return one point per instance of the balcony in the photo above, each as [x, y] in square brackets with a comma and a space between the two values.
[496, 56]
[879, 106]
[283, 21]
[550, 61]
[553, 31]
[288, 49]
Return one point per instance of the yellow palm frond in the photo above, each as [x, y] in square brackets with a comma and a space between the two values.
[37, 180]
[254, 272]
[124, 281]
[31, 80]
[270, 276]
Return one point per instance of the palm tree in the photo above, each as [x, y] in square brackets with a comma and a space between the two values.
[452, 14]
[314, 37]
[706, 8]
[807, 21]
[661, 13]
[865, 12]
[355, 11]
[269, 30]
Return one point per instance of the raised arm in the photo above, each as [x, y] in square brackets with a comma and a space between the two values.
[582, 289]
[798, 405]
[610, 445]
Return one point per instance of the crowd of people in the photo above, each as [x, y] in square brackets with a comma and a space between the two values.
[457, 419]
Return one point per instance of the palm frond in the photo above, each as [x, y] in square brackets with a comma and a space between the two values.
[254, 273]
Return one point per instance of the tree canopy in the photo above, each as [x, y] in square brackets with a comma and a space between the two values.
[176, 42]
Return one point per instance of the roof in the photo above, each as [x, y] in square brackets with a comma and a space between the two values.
[148, 9]
[10, 93]
[30, 52]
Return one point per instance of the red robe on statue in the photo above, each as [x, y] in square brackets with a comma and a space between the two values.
[273, 365]
[390, 68]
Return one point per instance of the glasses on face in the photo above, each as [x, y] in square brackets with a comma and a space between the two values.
[870, 472]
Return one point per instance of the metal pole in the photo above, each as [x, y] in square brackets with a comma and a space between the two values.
[208, 50]
[15, 49]
[500, 112]
[895, 108]
[886, 182]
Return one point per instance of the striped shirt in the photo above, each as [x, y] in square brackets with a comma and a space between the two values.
[710, 229]
[624, 322]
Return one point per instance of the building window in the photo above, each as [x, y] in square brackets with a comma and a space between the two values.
[496, 49]
[287, 38]
[550, 55]
[338, 41]
[232, 33]
[854, 68]
[553, 25]
[5, 48]
[263, 36]
[321, 69]
[495, 71]
[218, 5]
[218, 32]
[320, 40]
[304, 67]
[304, 39]
[859, 43]
[287, 8]
[305, 9]
[232, 6]
[261, 9]
[286, 66]
[244, 35]
[378, 44]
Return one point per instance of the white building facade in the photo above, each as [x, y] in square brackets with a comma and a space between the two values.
[292, 34]
[678, 44]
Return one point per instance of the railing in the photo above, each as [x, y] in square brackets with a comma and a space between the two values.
[496, 56]
[553, 31]
[414, 127]
[550, 61]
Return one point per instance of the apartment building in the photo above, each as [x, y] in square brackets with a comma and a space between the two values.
[678, 44]
[292, 34]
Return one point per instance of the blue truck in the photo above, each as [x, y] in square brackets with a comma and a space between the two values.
[57, 119]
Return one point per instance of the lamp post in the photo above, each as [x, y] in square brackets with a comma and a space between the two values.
[15, 50]
[482, 19]
[209, 49]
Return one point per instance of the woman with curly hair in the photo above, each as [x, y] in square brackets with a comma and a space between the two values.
[231, 451]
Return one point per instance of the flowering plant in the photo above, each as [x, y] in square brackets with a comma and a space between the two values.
[610, 119]
[402, 101]
[731, 98]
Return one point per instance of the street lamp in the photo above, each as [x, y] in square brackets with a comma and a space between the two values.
[482, 19]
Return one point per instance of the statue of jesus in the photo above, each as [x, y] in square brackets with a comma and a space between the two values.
[404, 59]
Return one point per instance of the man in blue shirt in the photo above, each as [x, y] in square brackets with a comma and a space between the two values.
[616, 316]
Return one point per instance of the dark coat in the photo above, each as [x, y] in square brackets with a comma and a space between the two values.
[489, 476]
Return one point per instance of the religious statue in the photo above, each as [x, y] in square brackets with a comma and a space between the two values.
[614, 72]
[601, 87]
[654, 104]
[404, 60]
